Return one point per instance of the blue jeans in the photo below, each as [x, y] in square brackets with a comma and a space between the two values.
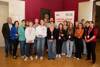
[64, 47]
[69, 47]
[28, 49]
[8, 46]
[84, 48]
[22, 47]
[40, 46]
[35, 44]
[51, 49]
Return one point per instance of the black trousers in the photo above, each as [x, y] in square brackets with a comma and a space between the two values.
[14, 46]
[8, 46]
[91, 51]
[78, 47]
[59, 46]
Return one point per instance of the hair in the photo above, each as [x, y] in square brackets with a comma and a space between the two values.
[86, 22]
[16, 22]
[91, 22]
[82, 25]
[23, 20]
[59, 26]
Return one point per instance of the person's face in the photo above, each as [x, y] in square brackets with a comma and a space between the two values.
[60, 26]
[87, 24]
[36, 21]
[52, 27]
[91, 25]
[9, 20]
[42, 22]
[17, 24]
[65, 23]
[80, 26]
[45, 20]
[23, 23]
[71, 25]
[27, 23]
[30, 24]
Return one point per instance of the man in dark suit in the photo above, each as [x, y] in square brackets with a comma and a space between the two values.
[6, 34]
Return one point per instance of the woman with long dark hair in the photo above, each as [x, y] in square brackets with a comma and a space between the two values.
[60, 38]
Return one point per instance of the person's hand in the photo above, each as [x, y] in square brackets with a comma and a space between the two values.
[30, 41]
[16, 34]
[87, 40]
[62, 35]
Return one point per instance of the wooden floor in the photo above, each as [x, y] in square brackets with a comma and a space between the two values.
[63, 62]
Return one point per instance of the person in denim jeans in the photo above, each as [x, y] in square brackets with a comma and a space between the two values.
[36, 21]
[30, 37]
[51, 39]
[64, 47]
[70, 42]
[21, 34]
[41, 33]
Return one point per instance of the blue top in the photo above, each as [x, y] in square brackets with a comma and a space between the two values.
[13, 33]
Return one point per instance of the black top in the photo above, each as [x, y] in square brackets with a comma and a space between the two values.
[52, 35]
[70, 34]
[60, 33]
[6, 31]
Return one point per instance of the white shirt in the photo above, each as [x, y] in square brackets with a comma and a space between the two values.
[41, 31]
[10, 26]
[30, 34]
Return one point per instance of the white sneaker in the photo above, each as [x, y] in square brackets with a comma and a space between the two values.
[66, 55]
[31, 57]
[57, 56]
[78, 59]
[41, 58]
[74, 57]
[63, 54]
[36, 57]
[22, 57]
[26, 58]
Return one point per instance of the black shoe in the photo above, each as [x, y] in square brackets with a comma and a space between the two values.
[93, 62]
[53, 58]
[88, 59]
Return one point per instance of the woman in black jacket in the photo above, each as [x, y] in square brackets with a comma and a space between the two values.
[60, 37]
[51, 40]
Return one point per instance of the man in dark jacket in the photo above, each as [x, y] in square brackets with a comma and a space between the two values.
[6, 34]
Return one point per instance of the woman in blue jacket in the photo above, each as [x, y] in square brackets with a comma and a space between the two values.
[14, 38]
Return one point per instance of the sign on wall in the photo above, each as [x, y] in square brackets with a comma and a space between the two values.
[61, 16]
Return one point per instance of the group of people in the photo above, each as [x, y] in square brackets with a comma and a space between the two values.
[38, 37]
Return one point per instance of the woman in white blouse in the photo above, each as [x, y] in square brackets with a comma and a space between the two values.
[30, 37]
[41, 33]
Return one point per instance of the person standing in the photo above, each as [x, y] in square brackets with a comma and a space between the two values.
[30, 37]
[70, 40]
[60, 37]
[90, 39]
[21, 34]
[79, 41]
[41, 34]
[14, 38]
[6, 28]
[51, 40]
[64, 47]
